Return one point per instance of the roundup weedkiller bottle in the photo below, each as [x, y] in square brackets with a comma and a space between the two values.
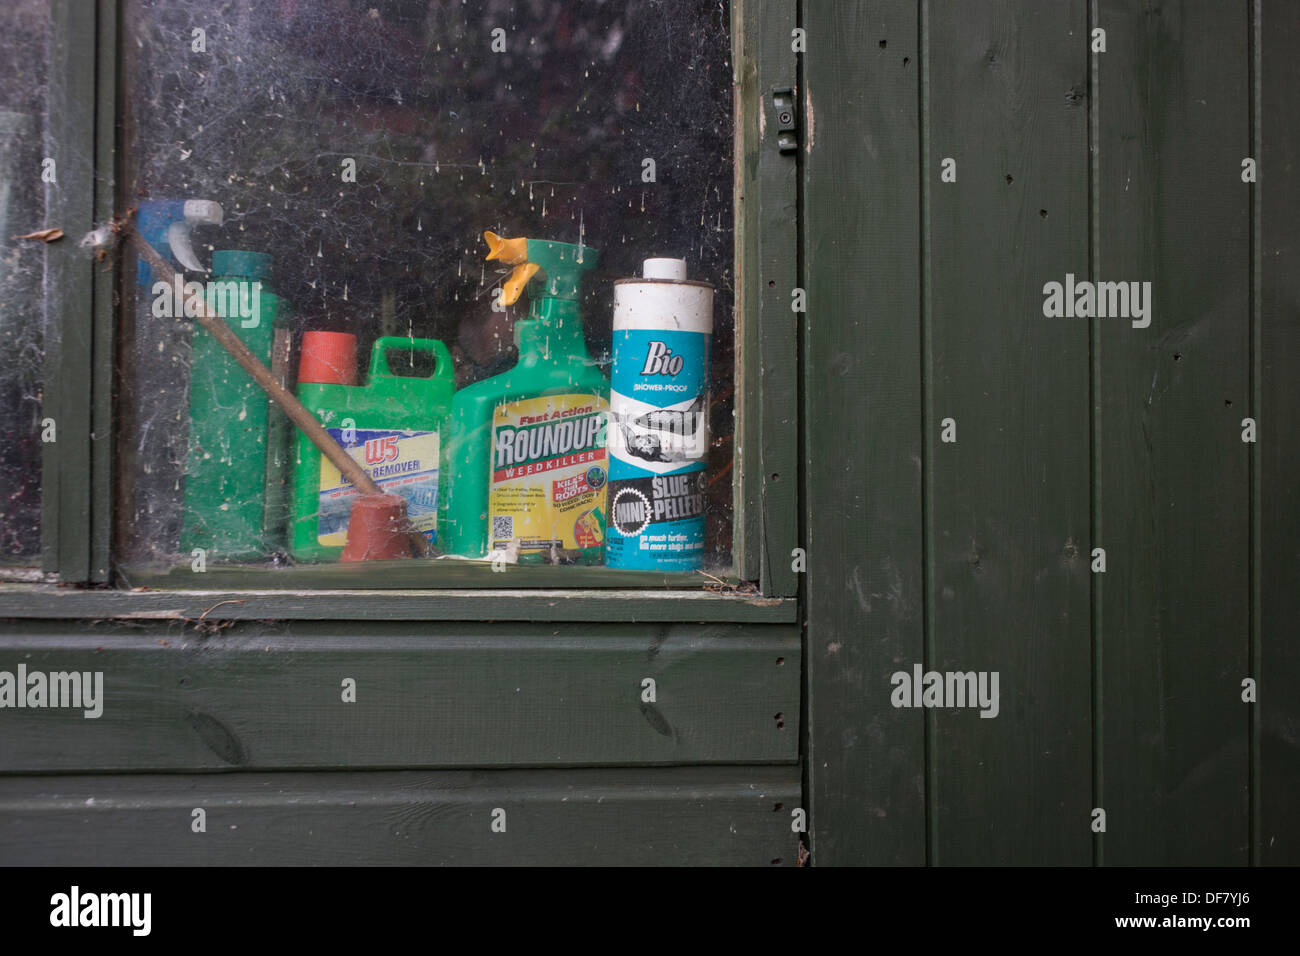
[525, 452]
[392, 426]
[658, 438]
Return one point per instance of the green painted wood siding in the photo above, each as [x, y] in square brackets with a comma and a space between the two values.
[223, 695]
[1120, 690]
[181, 697]
[685, 816]
[1275, 286]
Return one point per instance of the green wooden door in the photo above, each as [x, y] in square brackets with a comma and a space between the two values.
[968, 452]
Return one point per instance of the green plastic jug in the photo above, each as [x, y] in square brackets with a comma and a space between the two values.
[392, 425]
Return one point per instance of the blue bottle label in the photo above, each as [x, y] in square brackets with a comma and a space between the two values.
[658, 439]
[657, 522]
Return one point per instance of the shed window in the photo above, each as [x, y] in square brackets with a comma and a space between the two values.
[416, 215]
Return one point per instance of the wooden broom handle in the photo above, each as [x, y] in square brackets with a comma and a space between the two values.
[251, 364]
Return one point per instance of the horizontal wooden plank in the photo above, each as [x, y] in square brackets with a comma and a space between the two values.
[686, 816]
[34, 601]
[182, 697]
[414, 574]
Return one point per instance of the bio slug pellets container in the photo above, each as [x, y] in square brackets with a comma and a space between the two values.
[658, 438]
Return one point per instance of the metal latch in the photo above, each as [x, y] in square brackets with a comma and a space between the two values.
[786, 119]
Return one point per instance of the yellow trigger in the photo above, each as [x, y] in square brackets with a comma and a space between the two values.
[510, 251]
[513, 287]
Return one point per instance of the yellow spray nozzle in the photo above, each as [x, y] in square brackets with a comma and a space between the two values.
[510, 251]
[513, 287]
[559, 267]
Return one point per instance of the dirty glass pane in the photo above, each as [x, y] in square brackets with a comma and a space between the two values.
[24, 63]
[327, 172]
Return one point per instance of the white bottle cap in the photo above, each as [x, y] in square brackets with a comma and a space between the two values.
[674, 269]
[203, 212]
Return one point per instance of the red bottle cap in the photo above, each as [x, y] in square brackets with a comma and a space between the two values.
[328, 358]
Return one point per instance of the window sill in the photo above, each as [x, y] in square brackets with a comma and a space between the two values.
[415, 575]
[460, 604]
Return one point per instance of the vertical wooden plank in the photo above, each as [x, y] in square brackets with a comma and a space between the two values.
[767, 486]
[105, 286]
[778, 382]
[745, 35]
[1174, 111]
[779, 347]
[126, 385]
[65, 470]
[1010, 508]
[1277, 667]
[1096, 529]
[863, 409]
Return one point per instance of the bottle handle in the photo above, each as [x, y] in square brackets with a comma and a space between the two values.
[442, 364]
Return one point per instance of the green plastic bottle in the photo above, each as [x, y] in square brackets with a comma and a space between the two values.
[225, 476]
[524, 461]
[392, 426]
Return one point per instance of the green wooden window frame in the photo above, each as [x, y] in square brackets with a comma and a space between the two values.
[78, 366]
[78, 487]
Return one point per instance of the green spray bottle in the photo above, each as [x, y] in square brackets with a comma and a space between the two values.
[524, 460]
[225, 476]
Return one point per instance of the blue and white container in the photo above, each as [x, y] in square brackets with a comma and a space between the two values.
[658, 432]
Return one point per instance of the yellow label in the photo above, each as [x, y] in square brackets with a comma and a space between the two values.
[548, 473]
[401, 462]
